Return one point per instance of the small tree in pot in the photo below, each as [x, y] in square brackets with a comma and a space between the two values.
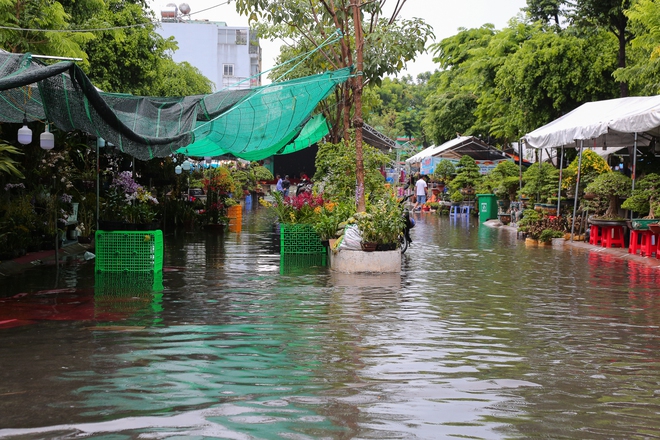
[645, 199]
[468, 174]
[612, 187]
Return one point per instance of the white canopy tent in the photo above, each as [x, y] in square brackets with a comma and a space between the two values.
[611, 124]
[457, 147]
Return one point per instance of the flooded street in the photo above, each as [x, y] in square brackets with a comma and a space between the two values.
[479, 337]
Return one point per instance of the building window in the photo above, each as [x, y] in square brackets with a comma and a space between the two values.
[227, 70]
[241, 37]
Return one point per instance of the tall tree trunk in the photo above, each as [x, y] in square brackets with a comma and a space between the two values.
[621, 57]
[358, 122]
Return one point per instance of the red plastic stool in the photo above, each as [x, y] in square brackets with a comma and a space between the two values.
[612, 236]
[595, 236]
[648, 245]
[635, 241]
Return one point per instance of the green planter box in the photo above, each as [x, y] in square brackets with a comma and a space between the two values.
[642, 224]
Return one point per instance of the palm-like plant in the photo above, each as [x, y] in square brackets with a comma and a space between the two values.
[9, 165]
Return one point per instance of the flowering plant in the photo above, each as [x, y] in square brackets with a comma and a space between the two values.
[65, 208]
[303, 208]
[129, 201]
[218, 185]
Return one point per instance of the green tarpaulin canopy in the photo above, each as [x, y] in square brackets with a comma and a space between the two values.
[249, 123]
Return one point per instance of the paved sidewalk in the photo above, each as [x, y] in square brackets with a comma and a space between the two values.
[32, 259]
[620, 253]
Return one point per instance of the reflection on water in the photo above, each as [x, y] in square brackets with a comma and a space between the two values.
[478, 337]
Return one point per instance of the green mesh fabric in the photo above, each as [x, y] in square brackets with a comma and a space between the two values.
[315, 130]
[251, 124]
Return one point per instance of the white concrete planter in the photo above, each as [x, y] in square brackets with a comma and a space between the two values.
[558, 242]
[359, 261]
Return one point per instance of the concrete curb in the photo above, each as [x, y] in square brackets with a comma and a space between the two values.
[33, 259]
[620, 253]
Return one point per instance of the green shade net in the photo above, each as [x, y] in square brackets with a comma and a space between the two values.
[313, 131]
[249, 123]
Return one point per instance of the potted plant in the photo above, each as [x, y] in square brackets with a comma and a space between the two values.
[443, 172]
[219, 185]
[456, 198]
[468, 176]
[128, 205]
[610, 187]
[548, 234]
[540, 182]
[645, 201]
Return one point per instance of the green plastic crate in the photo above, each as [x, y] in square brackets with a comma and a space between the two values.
[299, 239]
[129, 251]
[300, 263]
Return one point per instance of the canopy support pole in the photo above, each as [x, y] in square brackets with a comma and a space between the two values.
[561, 172]
[634, 168]
[577, 188]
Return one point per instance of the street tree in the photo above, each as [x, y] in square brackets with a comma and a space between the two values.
[643, 72]
[40, 27]
[371, 43]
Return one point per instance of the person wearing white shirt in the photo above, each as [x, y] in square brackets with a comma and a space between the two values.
[420, 192]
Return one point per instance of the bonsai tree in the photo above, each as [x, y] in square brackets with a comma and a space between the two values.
[645, 199]
[443, 172]
[468, 174]
[610, 186]
[541, 181]
[456, 197]
[247, 178]
[503, 181]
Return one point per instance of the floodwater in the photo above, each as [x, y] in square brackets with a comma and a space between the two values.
[479, 337]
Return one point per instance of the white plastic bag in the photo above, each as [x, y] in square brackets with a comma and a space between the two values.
[352, 240]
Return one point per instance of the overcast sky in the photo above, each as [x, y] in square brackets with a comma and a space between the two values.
[445, 16]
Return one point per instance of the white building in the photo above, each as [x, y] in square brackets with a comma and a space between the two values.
[226, 55]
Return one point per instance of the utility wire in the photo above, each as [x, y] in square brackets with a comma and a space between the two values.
[103, 29]
[75, 30]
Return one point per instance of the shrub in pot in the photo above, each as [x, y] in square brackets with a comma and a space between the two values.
[611, 187]
[645, 199]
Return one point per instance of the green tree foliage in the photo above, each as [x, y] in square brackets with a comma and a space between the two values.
[444, 171]
[128, 56]
[546, 11]
[608, 15]
[398, 107]
[389, 43]
[39, 27]
[504, 84]
[550, 75]
[610, 186]
[468, 174]
[645, 198]
[464, 96]
[503, 181]
[540, 182]
[335, 170]
[643, 73]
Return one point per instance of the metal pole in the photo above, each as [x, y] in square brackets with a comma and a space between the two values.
[98, 169]
[520, 161]
[57, 231]
[634, 168]
[561, 172]
[577, 187]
